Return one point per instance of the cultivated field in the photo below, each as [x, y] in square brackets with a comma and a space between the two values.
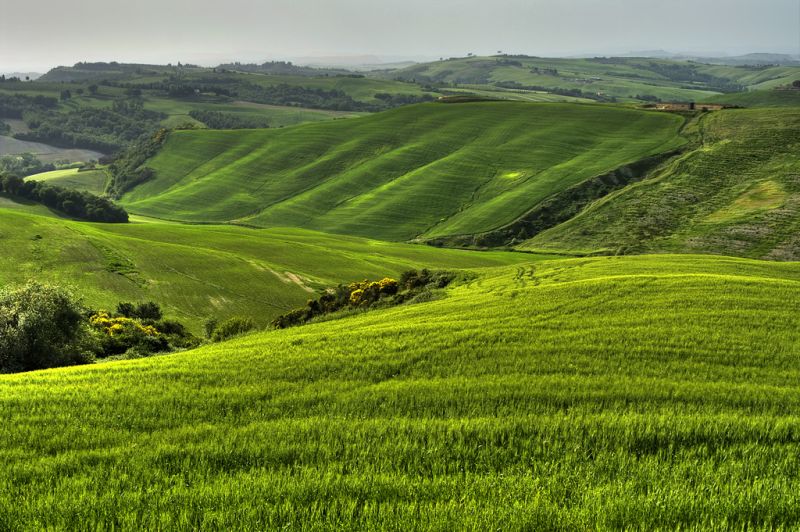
[201, 272]
[45, 152]
[640, 392]
[626, 79]
[93, 181]
[426, 170]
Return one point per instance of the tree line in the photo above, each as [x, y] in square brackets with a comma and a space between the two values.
[77, 204]
[219, 120]
[104, 130]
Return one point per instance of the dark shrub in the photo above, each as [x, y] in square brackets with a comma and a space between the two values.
[41, 327]
[232, 327]
[148, 311]
[209, 327]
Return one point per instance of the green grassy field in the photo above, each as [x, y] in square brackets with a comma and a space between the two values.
[359, 88]
[177, 112]
[495, 93]
[93, 181]
[738, 194]
[540, 392]
[621, 78]
[45, 152]
[202, 272]
[431, 170]
[177, 109]
[761, 98]
[637, 392]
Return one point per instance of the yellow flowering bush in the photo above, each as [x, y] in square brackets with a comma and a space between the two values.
[356, 295]
[113, 326]
[388, 285]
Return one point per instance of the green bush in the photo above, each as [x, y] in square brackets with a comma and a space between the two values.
[232, 327]
[209, 326]
[42, 326]
[137, 330]
[148, 311]
[414, 286]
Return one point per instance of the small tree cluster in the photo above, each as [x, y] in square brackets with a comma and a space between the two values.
[78, 204]
[42, 326]
[119, 334]
[139, 330]
[219, 120]
[142, 311]
[128, 168]
[23, 165]
[229, 328]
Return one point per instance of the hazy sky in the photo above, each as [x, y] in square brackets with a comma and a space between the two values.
[38, 34]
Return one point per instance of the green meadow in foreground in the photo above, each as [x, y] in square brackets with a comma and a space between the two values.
[638, 392]
[200, 272]
[423, 170]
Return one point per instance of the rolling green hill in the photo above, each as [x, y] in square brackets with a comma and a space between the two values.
[357, 86]
[761, 98]
[626, 79]
[737, 194]
[200, 272]
[426, 170]
[607, 393]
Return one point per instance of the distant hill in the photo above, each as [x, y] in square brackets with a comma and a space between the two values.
[765, 98]
[419, 171]
[753, 59]
[274, 83]
[284, 68]
[604, 78]
[107, 71]
[22, 75]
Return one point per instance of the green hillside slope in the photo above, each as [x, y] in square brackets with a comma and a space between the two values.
[425, 170]
[199, 272]
[738, 194]
[626, 79]
[761, 98]
[638, 392]
[93, 181]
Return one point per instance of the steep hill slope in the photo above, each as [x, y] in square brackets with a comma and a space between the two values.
[579, 394]
[199, 272]
[737, 194]
[425, 170]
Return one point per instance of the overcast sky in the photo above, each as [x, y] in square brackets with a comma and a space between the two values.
[38, 34]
